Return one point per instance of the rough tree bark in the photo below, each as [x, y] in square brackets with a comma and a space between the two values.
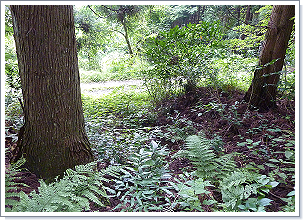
[263, 89]
[54, 137]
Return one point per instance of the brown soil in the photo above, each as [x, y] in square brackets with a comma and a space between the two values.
[235, 126]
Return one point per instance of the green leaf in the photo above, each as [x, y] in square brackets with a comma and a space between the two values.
[241, 144]
[271, 165]
[274, 160]
[282, 175]
[240, 207]
[292, 193]
[265, 202]
[278, 139]
[154, 145]
[209, 202]
[249, 141]
[273, 184]
[256, 143]
[288, 154]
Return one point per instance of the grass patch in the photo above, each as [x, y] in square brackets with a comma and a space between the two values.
[89, 76]
[114, 66]
[122, 106]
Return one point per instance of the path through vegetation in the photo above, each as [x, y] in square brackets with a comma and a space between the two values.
[102, 88]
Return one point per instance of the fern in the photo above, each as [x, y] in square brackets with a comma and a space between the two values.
[12, 196]
[72, 193]
[200, 151]
[240, 185]
[144, 182]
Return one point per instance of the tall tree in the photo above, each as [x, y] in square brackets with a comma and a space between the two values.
[53, 137]
[121, 14]
[263, 89]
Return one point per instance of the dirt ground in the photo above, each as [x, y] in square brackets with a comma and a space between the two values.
[235, 126]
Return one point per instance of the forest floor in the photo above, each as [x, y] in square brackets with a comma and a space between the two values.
[260, 138]
[266, 136]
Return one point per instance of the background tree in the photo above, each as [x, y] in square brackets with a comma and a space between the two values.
[92, 37]
[122, 14]
[263, 89]
[53, 137]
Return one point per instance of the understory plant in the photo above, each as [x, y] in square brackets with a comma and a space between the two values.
[12, 188]
[245, 191]
[189, 191]
[241, 189]
[200, 151]
[73, 193]
[143, 184]
[180, 57]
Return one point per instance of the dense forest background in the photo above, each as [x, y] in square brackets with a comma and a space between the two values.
[162, 90]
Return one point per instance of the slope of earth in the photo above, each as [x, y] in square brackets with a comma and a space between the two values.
[263, 140]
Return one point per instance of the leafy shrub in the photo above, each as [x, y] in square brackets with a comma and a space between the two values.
[189, 189]
[180, 57]
[120, 102]
[114, 145]
[235, 71]
[12, 78]
[290, 200]
[241, 190]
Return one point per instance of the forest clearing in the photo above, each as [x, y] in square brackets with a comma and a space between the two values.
[193, 110]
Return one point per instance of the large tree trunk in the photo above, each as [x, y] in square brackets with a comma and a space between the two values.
[263, 89]
[54, 137]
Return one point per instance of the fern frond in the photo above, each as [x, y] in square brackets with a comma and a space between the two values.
[92, 197]
[239, 186]
[72, 193]
[12, 196]
[208, 164]
[113, 171]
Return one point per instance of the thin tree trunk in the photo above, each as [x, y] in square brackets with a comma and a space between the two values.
[54, 137]
[238, 11]
[263, 89]
[126, 37]
[248, 15]
[198, 15]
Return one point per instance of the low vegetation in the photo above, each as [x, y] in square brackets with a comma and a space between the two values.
[202, 157]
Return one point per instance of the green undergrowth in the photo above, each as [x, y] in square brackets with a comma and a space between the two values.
[90, 76]
[114, 66]
[120, 126]
[122, 107]
[74, 192]
[144, 182]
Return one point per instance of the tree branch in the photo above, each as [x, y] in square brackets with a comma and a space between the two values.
[111, 9]
[105, 18]
[98, 14]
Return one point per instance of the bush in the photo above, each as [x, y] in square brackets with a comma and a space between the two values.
[180, 57]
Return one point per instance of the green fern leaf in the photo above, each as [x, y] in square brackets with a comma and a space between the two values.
[199, 151]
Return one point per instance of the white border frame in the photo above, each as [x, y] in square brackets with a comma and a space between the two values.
[154, 214]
